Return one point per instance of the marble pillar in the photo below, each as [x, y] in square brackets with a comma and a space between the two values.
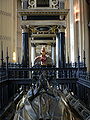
[25, 47]
[33, 53]
[53, 52]
[60, 48]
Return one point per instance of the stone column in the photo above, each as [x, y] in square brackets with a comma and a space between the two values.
[60, 48]
[24, 4]
[72, 31]
[25, 47]
[33, 53]
[53, 52]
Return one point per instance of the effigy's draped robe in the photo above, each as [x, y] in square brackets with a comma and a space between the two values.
[48, 61]
[48, 106]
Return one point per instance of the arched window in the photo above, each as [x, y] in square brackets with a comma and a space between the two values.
[42, 3]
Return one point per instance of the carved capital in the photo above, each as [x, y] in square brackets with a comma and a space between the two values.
[24, 28]
[61, 28]
[33, 44]
[53, 44]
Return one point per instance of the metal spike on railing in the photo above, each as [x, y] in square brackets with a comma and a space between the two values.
[78, 63]
[84, 59]
[78, 59]
[75, 64]
[68, 59]
[7, 58]
[2, 54]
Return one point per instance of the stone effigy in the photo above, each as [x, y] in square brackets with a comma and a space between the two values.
[41, 103]
[44, 102]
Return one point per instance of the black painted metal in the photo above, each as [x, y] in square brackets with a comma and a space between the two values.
[84, 60]
[71, 76]
[25, 50]
[43, 3]
[61, 48]
[84, 87]
[41, 17]
[2, 62]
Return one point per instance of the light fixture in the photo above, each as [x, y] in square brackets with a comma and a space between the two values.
[76, 11]
[14, 56]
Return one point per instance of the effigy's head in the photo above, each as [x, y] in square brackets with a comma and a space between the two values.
[43, 51]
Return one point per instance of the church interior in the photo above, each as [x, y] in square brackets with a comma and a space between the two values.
[44, 60]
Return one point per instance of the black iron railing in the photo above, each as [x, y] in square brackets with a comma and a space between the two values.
[14, 77]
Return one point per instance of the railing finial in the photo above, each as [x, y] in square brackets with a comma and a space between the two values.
[84, 58]
[2, 59]
[7, 58]
[78, 59]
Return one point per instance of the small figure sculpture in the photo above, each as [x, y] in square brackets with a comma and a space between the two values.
[43, 59]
